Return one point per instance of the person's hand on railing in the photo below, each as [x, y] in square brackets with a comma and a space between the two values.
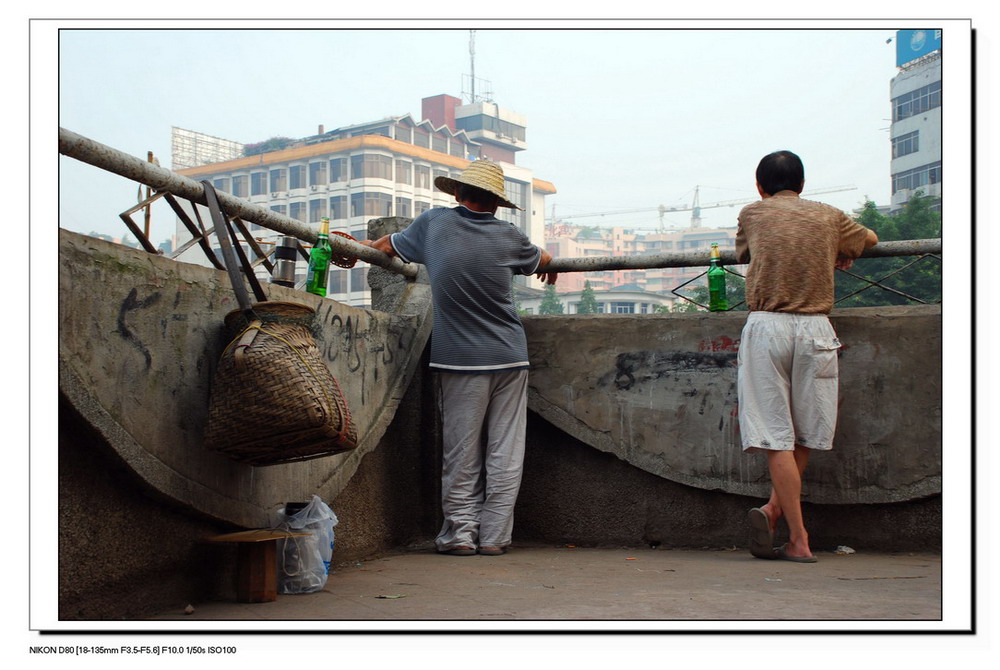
[844, 263]
[381, 244]
[547, 277]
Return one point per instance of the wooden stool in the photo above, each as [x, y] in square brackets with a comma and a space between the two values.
[256, 562]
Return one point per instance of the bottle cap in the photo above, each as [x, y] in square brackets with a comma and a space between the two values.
[324, 226]
[715, 250]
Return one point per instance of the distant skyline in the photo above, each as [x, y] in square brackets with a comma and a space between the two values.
[616, 119]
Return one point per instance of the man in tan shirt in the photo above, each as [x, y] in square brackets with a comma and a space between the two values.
[787, 380]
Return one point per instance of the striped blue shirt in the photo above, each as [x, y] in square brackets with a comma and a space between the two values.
[471, 258]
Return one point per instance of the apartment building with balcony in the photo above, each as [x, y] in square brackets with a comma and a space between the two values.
[381, 168]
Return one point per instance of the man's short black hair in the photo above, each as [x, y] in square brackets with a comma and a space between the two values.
[780, 171]
[477, 196]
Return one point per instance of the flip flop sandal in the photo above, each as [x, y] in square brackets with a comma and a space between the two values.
[492, 551]
[459, 551]
[780, 554]
[761, 537]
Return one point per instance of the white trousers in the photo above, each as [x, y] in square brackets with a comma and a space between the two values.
[484, 418]
[787, 381]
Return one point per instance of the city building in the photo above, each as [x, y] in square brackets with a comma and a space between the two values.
[564, 240]
[622, 300]
[381, 168]
[915, 132]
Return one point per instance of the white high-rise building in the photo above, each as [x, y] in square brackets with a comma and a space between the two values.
[915, 132]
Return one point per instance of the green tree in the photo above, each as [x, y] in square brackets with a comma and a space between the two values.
[588, 301]
[271, 144]
[550, 303]
[515, 299]
[918, 278]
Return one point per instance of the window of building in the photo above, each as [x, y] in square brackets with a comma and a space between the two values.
[517, 193]
[258, 183]
[457, 148]
[358, 282]
[280, 209]
[338, 170]
[905, 144]
[297, 210]
[374, 166]
[241, 186]
[419, 207]
[439, 143]
[221, 184]
[917, 177]
[337, 281]
[317, 174]
[403, 169]
[279, 180]
[338, 207]
[421, 176]
[404, 134]
[371, 204]
[440, 173]
[916, 102]
[317, 210]
[493, 124]
[403, 206]
[421, 138]
[297, 176]
[623, 308]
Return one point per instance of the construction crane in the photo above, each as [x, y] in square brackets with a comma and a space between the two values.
[695, 208]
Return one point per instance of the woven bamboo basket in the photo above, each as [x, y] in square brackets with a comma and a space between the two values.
[273, 398]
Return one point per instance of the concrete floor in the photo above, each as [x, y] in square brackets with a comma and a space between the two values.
[611, 585]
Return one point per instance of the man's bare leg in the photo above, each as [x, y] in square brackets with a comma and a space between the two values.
[786, 468]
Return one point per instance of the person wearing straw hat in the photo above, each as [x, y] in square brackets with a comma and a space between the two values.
[479, 351]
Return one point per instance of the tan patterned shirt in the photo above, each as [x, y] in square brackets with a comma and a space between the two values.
[792, 245]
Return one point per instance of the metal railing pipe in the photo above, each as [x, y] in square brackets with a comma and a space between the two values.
[681, 259]
[106, 158]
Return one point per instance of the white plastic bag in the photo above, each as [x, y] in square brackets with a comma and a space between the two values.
[304, 562]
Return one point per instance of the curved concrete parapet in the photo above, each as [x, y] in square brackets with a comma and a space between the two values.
[140, 336]
[659, 391]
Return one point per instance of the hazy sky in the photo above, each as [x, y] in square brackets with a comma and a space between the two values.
[616, 118]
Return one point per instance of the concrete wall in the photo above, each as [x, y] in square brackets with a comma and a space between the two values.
[659, 391]
[138, 491]
[139, 339]
[631, 439]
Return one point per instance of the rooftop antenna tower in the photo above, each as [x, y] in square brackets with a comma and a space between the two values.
[486, 93]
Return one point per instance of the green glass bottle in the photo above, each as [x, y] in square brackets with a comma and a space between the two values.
[716, 282]
[319, 260]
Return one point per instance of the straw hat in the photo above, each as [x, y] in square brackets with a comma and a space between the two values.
[486, 175]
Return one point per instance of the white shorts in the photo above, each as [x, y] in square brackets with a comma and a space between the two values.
[787, 381]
